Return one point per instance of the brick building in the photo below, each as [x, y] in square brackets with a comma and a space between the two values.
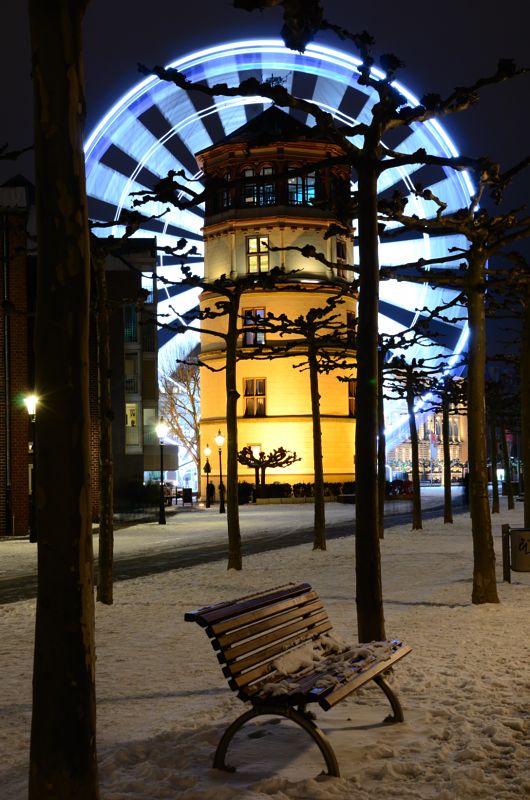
[16, 364]
[131, 282]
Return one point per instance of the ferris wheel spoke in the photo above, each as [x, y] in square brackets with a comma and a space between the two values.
[158, 127]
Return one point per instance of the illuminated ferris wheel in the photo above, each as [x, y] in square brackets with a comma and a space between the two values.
[156, 127]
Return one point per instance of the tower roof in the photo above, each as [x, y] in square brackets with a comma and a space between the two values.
[271, 125]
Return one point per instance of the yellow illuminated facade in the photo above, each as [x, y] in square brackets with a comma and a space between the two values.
[270, 197]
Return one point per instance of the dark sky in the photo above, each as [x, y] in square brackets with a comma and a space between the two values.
[442, 45]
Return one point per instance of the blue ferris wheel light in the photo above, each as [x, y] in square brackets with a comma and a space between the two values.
[156, 127]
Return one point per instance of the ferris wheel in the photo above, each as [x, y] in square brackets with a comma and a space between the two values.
[156, 127]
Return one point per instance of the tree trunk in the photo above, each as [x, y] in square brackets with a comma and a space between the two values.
[484, 579]
[525, 404]
[416, 491]
[381, 455]
[495, 505]
[369, 599]
[507, 469]
[448, 501]
[106, 478]
[232, 395]
[63, 761]
[319, 534]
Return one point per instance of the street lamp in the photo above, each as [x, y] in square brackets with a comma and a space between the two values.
[31, 404]
[161, 432]
[219, 441]
[207, 469]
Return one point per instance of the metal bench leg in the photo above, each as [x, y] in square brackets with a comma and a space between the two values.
[397, 715]
[277, 711]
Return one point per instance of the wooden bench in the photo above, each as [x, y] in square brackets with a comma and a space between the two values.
[277, 651]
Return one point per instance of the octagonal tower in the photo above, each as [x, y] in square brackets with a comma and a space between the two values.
[274, 183]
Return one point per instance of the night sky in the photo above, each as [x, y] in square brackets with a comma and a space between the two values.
[442, 45]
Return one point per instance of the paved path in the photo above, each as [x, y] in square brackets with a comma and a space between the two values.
[193, 536]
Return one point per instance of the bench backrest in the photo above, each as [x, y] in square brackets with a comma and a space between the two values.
[251, 632]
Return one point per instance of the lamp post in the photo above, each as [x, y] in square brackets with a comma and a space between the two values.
[207, 469]
[219, 441]
[161, 432]
[31, 404]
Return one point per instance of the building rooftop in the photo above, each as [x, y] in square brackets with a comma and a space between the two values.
[272, 125]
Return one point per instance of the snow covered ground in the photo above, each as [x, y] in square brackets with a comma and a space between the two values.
[163, 702]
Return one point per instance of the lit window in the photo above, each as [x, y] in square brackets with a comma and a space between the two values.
[300, 188]
[266, 195]
[257, 254]
[132, 431]
[251, 320]
[351, 397]
[259, 188]
[254, 397]
[249, 187]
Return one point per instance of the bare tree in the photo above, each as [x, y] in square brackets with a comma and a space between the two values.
[411, 381]
[180, 400]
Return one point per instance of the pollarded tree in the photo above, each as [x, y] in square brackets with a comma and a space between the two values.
[260, 462]
[412, 381]
[370, 160]
[63, 761]
[487, 235]
[452, 394]
[223, 319]
[364, 151]
[319, 339]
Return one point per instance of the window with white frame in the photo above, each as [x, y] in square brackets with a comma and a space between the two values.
[266, 194]
[254, 397]
[257, 253]
[253, 336]
[259, 188]
[300, 188]
[132, 428]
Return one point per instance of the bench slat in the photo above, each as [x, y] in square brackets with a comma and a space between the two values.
[367, 674]
[279, 634]
[251, 632]
[238, 669]
[239, 618]
[218, 611]
[224, 640]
